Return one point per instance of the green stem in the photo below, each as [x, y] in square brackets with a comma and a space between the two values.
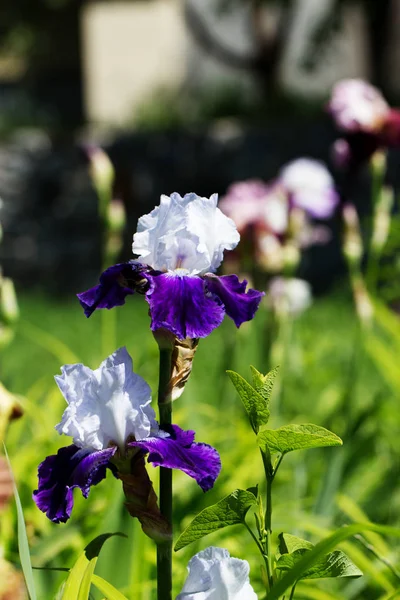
[268, 528]
[292, 592]
[164, 549]
[255, 539]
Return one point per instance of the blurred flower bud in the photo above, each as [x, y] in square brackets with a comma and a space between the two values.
[378, 162]
[9, 311]
[289, 296]
[270, 252]
[341, 154]
[381, 223]
[116, 216]
[291, 257]
[101, 168]
[362, 301]
[352, 242]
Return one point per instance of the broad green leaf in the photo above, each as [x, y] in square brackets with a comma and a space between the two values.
[334, 564]
[228, 511]
[23, 546]
[311, 557]
[296, 437]
[106, 588]
[290, 543]
[77, 586]
[256, 406]
[263, 384]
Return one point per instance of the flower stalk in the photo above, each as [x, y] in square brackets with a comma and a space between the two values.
[164, 548]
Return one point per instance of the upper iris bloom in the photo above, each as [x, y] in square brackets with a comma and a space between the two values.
[367, 121]
[180, 245]
[109, 417]
[215, 575]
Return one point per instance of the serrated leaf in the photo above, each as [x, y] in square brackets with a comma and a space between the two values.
[256, 406]
[334, 564]
[106, 588]
[296, 437]
[231, 510]
[77, 586]
[264, 384]
[290, 543]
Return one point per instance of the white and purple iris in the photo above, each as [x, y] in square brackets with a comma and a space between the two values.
[366, 120]
[109, 412]
[180, 245]
[215, 575]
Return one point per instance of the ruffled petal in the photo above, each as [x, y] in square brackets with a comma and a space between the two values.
[60, 473]
[179, 451]
[239, 305]
[115, 284]
[181, 304]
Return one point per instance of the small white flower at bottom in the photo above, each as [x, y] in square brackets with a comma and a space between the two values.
[215, 575]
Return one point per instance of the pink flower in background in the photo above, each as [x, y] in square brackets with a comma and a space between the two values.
[366, 120]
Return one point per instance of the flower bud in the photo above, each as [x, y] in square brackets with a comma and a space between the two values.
[9, 311]
[352, 242]
[381, 222]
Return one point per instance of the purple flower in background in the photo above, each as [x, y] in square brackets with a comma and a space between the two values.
[310, 187]
[180, 245]
[366, 120]
[215, 575]
[109, 415]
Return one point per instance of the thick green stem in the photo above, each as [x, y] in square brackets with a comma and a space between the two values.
[292, 592]
[164, 549]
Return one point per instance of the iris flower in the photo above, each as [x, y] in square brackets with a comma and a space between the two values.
[215, 575]
[109, 416]
[180, 245]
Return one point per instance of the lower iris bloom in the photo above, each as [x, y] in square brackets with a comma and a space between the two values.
[180, 245]
[110, 419]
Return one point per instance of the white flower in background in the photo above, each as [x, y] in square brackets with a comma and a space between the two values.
[310, 186]
[356, 105]
[105, 405]
[215, 575]
[289, 295]
[186, 235]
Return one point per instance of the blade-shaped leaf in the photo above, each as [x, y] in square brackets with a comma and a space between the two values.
[228, 511]
[106, 588]
[263, 384]
[23, 546]
[256, 406]
[334, 564]
[309, 558]
[296, 437]
[77, 586]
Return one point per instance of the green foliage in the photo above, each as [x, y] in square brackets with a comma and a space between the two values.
[77, 586]
[334, 564]
[231, 510]
[254, 398]
[296, 437]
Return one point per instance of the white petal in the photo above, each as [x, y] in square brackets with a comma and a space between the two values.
[188, 233]
[290, 295]
[105, 405]
[214, 575]
[358, 106]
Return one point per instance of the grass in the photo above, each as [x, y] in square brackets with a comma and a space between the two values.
[330, 379]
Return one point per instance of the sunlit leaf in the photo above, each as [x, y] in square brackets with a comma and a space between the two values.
[296, 437]
[256, 406]
[228, 511]
[334, 564]
[106, 588]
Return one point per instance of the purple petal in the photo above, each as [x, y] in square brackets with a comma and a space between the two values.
[115, 284]
[181, 304]
[60, 473]
[179, 451]
[239, 305]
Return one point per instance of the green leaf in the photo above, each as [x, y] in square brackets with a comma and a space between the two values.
[334, 564]
[296, 437]
[256, 406]
[290, 543]
[228, 511]
[311, 557]
[77, 586]
[23, 546]
[263, 384]
[106, 588]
